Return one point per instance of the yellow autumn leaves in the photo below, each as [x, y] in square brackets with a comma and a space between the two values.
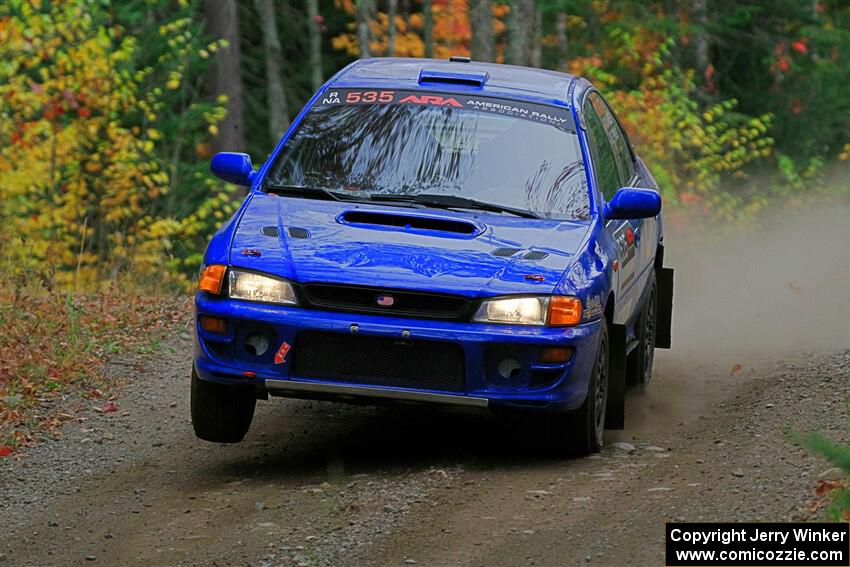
[80, 165]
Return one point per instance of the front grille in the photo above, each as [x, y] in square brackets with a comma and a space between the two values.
[379, 361]
[382, 301]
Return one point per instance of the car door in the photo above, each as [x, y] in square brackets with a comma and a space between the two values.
[633, 175]
[614, 167]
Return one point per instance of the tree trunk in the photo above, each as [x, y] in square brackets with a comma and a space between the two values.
[392, 8]
[222, 22]
[561, 37]
[315, 32]
[520, 32]
[428, 15]
[700, 17]
[481, 22]
[276, 96]
[363, 28]
[536, 39]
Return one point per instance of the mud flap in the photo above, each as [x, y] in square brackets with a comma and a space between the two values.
[663, 333]
[615, 410]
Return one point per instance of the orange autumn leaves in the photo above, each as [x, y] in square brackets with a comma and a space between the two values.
[452, 32]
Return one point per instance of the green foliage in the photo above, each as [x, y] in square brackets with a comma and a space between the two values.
[692, 148]
[838, 455]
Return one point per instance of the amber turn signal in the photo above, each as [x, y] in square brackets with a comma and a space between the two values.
[564, 310]
[213, 324]
[212, 278]
[555, 354]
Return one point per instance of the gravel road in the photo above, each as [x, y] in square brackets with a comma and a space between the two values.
[322, 484]
[319, 484]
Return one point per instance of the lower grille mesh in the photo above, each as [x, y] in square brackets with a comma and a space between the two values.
[379, 361]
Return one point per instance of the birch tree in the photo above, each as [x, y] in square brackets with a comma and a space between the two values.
[315, 33]
[222, 22]
[481, 23]
[275, 94]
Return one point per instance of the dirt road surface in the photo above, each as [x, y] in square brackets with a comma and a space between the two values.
[760, 354]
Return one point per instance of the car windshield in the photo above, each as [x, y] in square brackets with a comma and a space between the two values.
[366, 144]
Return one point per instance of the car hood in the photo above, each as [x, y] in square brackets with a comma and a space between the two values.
[475, 255]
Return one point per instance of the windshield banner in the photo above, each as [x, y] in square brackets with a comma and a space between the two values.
[547, 114]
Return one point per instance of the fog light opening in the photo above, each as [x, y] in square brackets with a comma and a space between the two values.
[213, 324]
[256, 344]
[509, 368]
[555, 354]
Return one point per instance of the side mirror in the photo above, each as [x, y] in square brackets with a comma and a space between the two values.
[633, 203]
[233, 167]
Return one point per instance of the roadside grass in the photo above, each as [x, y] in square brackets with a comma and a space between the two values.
[53, 346]
[833, 493]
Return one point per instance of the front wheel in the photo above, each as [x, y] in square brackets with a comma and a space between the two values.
[583, 427]
[221, 413]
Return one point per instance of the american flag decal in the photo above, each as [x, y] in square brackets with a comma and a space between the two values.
[386, 300]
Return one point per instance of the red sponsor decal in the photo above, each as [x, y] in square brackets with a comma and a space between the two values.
[369, 96]
[431, 99]
[280, 355]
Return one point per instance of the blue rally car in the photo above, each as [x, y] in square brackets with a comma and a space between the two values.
[438, 232]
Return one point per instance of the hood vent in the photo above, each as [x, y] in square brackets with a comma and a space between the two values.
[296, 232]
[535, 255]
[409, 222]
[504, 252]
[270, 231]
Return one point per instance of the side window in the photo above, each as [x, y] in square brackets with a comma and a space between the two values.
[604, 163]
[619, 145]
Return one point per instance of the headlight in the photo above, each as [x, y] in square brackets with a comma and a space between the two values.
[252, 286]
[556, 310]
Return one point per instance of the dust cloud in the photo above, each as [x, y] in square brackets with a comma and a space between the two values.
[763, 292]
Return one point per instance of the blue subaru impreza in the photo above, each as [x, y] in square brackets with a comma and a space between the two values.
[438, 232]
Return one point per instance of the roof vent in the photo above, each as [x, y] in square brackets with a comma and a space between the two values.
[431, 77]
[459, 59]
[504, 252]
[535, 255]
[270, 231]
[296, 232]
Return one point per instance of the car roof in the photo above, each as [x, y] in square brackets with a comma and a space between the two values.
[508, 81]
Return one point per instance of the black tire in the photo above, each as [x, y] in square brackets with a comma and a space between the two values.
[640, 362]
[585, 425]
[221, 413]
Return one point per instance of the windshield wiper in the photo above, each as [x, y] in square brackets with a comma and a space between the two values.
[310, 192]
[452, 202]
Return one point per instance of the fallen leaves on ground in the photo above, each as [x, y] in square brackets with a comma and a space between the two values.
[54, 345]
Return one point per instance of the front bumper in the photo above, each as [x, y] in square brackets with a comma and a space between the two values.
[221, 357]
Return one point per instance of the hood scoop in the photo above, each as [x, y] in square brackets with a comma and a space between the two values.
[411, 223]
[270, 231]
